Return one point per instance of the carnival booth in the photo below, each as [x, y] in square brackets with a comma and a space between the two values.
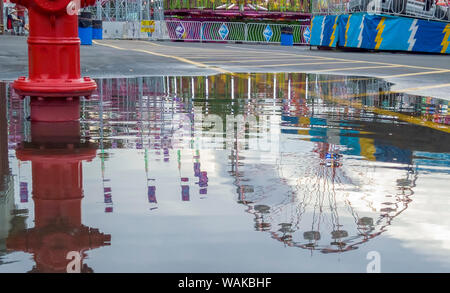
[393, 25]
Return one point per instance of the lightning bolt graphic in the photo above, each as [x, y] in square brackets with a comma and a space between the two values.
[380, 29]
[346, 30]
[361, 28]
[445, 40]
[334, 31]
[323, 27]
[412, 37]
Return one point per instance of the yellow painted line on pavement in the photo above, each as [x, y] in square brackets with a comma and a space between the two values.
[250, 60]
[357, 68]
[273, 53]
[294, 64]
[153, 44]
[352, 60]
[262, 59]
[216, 56]
[387, 65]
[426, 87]
[403, 65]
[343, 100]
[415, 73]
[184, 48]
[215, 50]
[280, 54]
[250, 53]
[403, 117]
[412, 120]
[181, 59]
[333, 80]
[405, 90]
[408, 66]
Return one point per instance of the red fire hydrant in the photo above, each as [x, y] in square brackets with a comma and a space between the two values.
[54, 84]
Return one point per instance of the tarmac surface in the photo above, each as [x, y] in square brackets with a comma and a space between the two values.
[421, 74]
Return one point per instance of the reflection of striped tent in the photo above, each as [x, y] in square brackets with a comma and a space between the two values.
[166, 154]
[152, 194]
[202, 175]
[23, 191]
[185, 192]
[196, 169]
[107, 194]
[23, 185]
[203, 179]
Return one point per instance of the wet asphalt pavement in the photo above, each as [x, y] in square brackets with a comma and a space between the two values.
[421, 74]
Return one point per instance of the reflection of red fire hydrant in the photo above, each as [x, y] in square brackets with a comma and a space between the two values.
[56, 154]
[54, 83]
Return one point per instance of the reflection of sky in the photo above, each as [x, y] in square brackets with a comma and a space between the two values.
[212, 232]
[424, 226]
[216, 234]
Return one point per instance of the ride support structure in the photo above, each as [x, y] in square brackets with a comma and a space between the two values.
[54, 84]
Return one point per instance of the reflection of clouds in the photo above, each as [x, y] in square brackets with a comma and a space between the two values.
[424, 227]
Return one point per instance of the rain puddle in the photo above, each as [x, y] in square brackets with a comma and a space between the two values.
[244, 173]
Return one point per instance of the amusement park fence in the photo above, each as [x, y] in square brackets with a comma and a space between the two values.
[204, 31]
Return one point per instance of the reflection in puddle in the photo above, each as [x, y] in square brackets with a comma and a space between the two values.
[321, 163]
[56, 156]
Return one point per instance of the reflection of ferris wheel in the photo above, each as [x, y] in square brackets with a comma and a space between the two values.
[315, 207]
[303, 220]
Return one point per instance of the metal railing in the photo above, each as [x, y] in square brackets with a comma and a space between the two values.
[426, 9]
[256, 5]
[127, 10]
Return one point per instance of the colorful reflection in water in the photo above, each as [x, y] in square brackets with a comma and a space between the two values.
[181, 174]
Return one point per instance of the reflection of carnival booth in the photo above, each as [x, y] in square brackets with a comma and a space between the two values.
[57, 195]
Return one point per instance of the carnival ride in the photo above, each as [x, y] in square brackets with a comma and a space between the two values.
[238, 9]
[429, 9]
